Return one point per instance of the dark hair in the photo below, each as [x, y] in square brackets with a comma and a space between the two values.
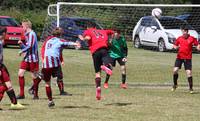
[90, 25]
[3, 30]
[184, 27]
[57, 32]
[117, 30]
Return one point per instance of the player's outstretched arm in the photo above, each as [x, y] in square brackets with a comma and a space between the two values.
[175, 47]
[86, 38]
[198, 47]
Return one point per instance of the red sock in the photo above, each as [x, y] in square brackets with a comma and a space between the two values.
[2, 90]
[49, 93]
[61, 86]
[21, 85]
[36, 86]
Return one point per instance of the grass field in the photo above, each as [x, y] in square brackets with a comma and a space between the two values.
[148, 97]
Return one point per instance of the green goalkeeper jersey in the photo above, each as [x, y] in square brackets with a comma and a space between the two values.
[118, 48]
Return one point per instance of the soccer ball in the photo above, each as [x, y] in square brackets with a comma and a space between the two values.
[156, 12]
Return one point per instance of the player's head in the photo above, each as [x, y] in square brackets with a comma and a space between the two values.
[57, 32]
[117, 33]
[26, 24]
[90, 25]
[2, 33]
[184, 29]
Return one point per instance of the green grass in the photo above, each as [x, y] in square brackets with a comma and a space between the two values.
[148, 97]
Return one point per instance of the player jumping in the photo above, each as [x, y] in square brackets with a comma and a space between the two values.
[98, 45]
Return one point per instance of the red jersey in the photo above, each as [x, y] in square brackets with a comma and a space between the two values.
[99, 38]
[185, 46]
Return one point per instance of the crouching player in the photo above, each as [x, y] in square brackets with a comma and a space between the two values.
[51, 59]
[118, 52]
[5, 82]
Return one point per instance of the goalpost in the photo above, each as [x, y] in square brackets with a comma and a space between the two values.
[123, 17]
[117, 16]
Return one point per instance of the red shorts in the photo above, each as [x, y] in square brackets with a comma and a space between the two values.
[4, 75]
[29, 66]
[48, 72]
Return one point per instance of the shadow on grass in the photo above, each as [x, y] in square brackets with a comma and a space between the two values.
[45, 98]
[118, 104]
[78, 107]
[77, 94]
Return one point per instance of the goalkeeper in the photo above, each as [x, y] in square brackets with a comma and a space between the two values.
[118, 52]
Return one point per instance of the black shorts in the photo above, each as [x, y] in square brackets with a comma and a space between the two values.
[187, 63]
[101, 57]
[58, 73]
[54, 72]
[119, 60]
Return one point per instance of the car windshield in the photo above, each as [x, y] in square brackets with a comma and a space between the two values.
[82, 24]
[173, 23]
[8, 22]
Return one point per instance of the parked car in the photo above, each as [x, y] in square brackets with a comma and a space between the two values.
[159, 33]
[74, 26]
[191, 19]
[14, 30]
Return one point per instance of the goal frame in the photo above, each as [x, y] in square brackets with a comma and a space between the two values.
[57, 14]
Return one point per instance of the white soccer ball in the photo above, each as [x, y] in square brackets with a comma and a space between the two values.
[156, 12]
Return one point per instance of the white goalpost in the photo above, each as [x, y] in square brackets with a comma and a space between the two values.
[117, 16]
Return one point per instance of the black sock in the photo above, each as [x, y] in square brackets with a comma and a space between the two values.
[107, 78]
[12, 96]
[175, 78]
[190, 81]
[98, 82]
[109, 66]
[123, 78]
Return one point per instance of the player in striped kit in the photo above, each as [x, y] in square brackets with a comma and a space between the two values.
[30, 61]
[58, 75]
[51, 59]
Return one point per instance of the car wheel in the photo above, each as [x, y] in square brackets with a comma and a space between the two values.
[161, 46]
[136, 42]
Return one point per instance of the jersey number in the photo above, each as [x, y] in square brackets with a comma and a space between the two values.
[49, 45]
[98, 34]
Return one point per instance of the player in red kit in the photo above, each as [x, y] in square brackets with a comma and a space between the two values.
[184, 44]
[5, 82]
[98, 45]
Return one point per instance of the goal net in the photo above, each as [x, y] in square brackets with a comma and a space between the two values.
[142, 65]
[113, 16]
